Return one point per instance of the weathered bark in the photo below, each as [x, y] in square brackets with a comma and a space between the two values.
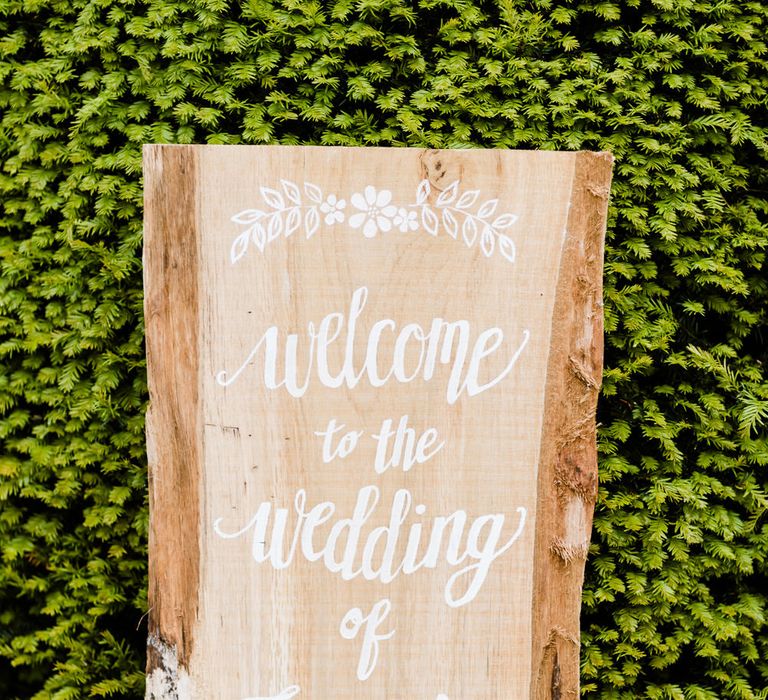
[171, 307]
[567, 486]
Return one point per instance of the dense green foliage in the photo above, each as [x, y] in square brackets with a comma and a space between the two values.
[677, 591]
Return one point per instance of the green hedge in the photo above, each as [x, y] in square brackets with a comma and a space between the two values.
[676, 598]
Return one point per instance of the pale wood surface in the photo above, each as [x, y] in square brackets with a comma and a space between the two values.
[225, 626]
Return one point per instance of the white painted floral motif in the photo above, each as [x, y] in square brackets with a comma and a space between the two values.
[453, 211]
[406, 220]
[333, 209]
[375, 211]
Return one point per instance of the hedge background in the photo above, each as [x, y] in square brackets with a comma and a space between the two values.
[676, 598]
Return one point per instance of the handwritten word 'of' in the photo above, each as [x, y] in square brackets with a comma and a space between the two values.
[345, 541]
[354, 621]
[445, 342]
[294, 690]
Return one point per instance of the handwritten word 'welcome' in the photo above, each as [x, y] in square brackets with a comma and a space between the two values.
[444, 342]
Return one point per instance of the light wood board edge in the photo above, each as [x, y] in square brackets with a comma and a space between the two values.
[173, 430]
[567, 480]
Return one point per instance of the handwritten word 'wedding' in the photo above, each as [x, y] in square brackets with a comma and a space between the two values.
[348, 552]
[445, 342]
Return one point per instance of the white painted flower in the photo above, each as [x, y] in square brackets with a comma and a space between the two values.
[333, 209]
[376, 212]
[405, 220]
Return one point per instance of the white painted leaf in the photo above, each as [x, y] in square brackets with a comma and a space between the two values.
[259, 236]
[423, 192]
[273, 198]
[467, 199]
[430, 220]
[487, 209]
[507, 248]
[448, 194]
[314, 193]
[239, 246]
[275, 227]
[311, 222]
[293, 221]
[488, 241]
[450, 223]
[504, 221]
[469, 230]
[247, 216]
[291, 191]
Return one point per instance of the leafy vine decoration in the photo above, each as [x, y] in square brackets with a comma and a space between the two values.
[293, 208]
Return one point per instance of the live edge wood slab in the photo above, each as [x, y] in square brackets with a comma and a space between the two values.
[371, 437]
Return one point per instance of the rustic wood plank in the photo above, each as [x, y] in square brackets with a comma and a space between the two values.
[567, 481]
[248, 247]
[173, 427]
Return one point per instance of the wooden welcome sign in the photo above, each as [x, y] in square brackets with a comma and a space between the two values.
[373, 379]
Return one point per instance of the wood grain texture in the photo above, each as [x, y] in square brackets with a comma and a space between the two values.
[230, 447]
[567, 481]
[173, 427]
